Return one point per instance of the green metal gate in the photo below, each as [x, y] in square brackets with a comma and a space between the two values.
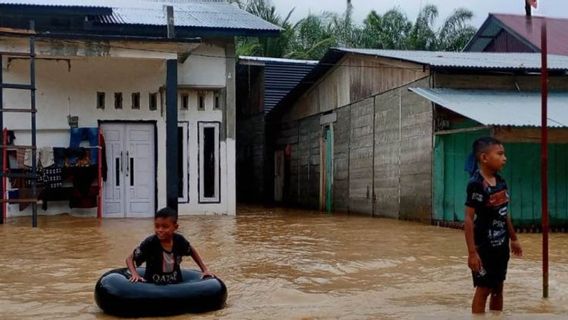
[522, 173]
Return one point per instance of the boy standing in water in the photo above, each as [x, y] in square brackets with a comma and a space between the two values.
[488, 226]
[163, 252]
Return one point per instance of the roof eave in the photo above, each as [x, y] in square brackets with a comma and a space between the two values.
[479, 33]
[55, 9]
[331, 57]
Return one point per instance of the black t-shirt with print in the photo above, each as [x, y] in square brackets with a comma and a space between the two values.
[491, 205]
[162, 267]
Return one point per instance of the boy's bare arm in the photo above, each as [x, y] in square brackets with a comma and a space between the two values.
[197, 258]
[515, 244]
[473, 260]
[132, 268]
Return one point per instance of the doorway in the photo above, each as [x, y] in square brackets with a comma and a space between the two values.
[130, 188]
[326, 169]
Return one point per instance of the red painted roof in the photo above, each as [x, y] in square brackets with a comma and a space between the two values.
[557, 30]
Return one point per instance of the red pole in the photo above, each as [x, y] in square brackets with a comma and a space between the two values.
[4, 170]
[544, 158]
[100, 178]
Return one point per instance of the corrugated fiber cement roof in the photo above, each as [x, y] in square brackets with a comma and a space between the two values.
[501, 108]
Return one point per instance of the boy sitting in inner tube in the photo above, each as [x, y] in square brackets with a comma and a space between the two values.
[163, 252]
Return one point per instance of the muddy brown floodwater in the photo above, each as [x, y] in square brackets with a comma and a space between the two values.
[277, 264]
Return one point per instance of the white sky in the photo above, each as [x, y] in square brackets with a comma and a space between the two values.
[480, 8]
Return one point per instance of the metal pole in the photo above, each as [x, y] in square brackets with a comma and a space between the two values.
[100, 175]
[544, 159]
[34, 142]
[171, 135]
[171, 121]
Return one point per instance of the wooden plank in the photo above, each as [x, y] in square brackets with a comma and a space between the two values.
[529, 135]
[17, 110]
[14, 201]
[439, 190]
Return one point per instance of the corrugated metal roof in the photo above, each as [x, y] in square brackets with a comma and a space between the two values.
[280, 78]
[216, 14]
[468, 60]
[518, 25]
[501, 108]
[277, 60]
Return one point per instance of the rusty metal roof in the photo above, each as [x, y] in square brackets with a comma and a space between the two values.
[527, 31]
[216, 14]
[501, 108]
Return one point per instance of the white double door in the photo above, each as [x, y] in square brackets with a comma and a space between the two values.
[129, 190]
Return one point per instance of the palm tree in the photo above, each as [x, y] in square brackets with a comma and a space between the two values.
[269, 47]
[313, 36]
[389, 31]
[455, 33]
[422, 36]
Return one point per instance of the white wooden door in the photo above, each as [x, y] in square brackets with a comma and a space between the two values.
[130, 186]
[113, 206]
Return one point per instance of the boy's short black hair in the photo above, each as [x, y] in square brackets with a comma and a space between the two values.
[167, 213]
[482, 144]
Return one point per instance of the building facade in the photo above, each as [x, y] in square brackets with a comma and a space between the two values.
[107, 68]
[362, 141]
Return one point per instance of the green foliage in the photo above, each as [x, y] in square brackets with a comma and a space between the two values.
[313, 35]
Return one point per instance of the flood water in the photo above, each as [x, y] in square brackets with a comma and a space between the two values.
[277, 264]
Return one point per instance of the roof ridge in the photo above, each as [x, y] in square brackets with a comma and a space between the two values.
[496, 14]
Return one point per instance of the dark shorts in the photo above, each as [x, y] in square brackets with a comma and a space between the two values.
[495, 266]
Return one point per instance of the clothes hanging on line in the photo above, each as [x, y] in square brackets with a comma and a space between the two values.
[46, 157]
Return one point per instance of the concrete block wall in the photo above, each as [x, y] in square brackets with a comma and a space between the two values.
[382, 156]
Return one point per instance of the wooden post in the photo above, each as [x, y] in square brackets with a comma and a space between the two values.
[33, 124]
[544, 159]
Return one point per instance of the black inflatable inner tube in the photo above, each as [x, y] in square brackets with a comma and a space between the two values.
[116, 295]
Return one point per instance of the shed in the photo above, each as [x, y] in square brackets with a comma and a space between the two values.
[514, 118]
[361, 142]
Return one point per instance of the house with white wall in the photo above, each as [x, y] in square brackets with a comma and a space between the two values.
[162, 96]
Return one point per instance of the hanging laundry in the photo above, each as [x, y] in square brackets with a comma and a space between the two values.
[28, 158]
[20, 157]
[46, 157]
[77, 135]
[52, 177]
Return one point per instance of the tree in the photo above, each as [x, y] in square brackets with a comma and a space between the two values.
[265, 46]
[455, 33]
[312, 38]
[422, 36]
[389, 31]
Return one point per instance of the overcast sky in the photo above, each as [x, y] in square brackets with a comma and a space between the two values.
[480, 8]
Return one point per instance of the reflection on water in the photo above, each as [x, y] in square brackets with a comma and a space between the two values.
[278, 264]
